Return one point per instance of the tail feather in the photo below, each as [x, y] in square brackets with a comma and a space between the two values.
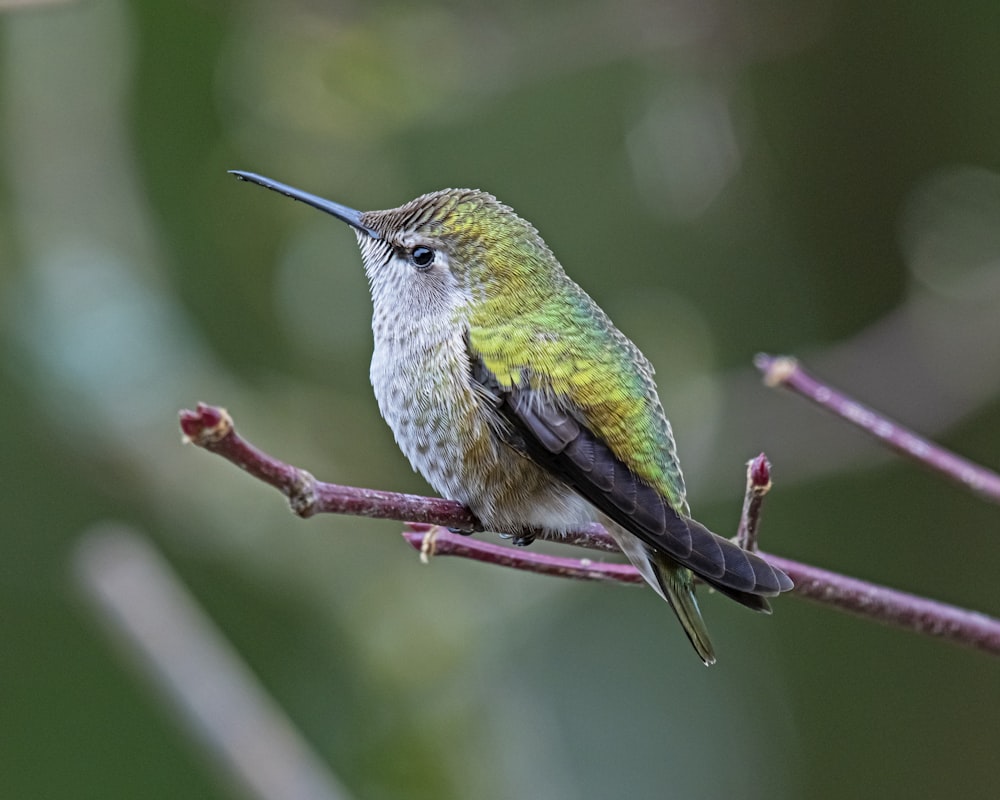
[755, 602]
[677, 584]
[673, 583]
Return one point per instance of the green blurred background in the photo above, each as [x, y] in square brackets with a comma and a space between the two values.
[820, 178]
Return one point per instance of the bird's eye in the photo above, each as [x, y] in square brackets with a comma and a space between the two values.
[422, 257]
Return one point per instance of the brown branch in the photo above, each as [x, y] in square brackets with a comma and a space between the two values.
[861, 598]
[786, 372]
[433, 540]
[212, 428]
[892, 607]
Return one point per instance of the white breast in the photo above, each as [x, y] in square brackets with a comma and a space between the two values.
[424, 391]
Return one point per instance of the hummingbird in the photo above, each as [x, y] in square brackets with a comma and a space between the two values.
[510, 390]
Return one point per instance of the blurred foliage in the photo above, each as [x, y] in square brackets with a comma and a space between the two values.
[821, 178]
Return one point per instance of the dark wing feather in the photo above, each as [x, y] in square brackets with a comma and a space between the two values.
[556, 439]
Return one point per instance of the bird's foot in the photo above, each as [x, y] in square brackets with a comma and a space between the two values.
[519, 538]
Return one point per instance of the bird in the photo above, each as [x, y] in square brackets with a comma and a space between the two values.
[510, 390]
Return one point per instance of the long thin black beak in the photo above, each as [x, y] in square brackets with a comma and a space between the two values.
[348, 215]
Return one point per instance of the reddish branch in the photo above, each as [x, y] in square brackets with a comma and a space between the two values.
[786, 372]
[758, 485]
[212, 428]
[888, 606]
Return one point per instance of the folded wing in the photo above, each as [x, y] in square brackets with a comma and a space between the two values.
[549, 431]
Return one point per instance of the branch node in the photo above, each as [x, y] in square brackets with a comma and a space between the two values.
[205, 426]
[777, 370]
[428, 544]
[759, 475]
[302, 494]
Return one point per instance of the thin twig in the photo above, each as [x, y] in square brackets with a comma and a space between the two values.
[889, 606]
[433, 540]
[892, 607]
[785, 371]
[758, 485]
[212, 428]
